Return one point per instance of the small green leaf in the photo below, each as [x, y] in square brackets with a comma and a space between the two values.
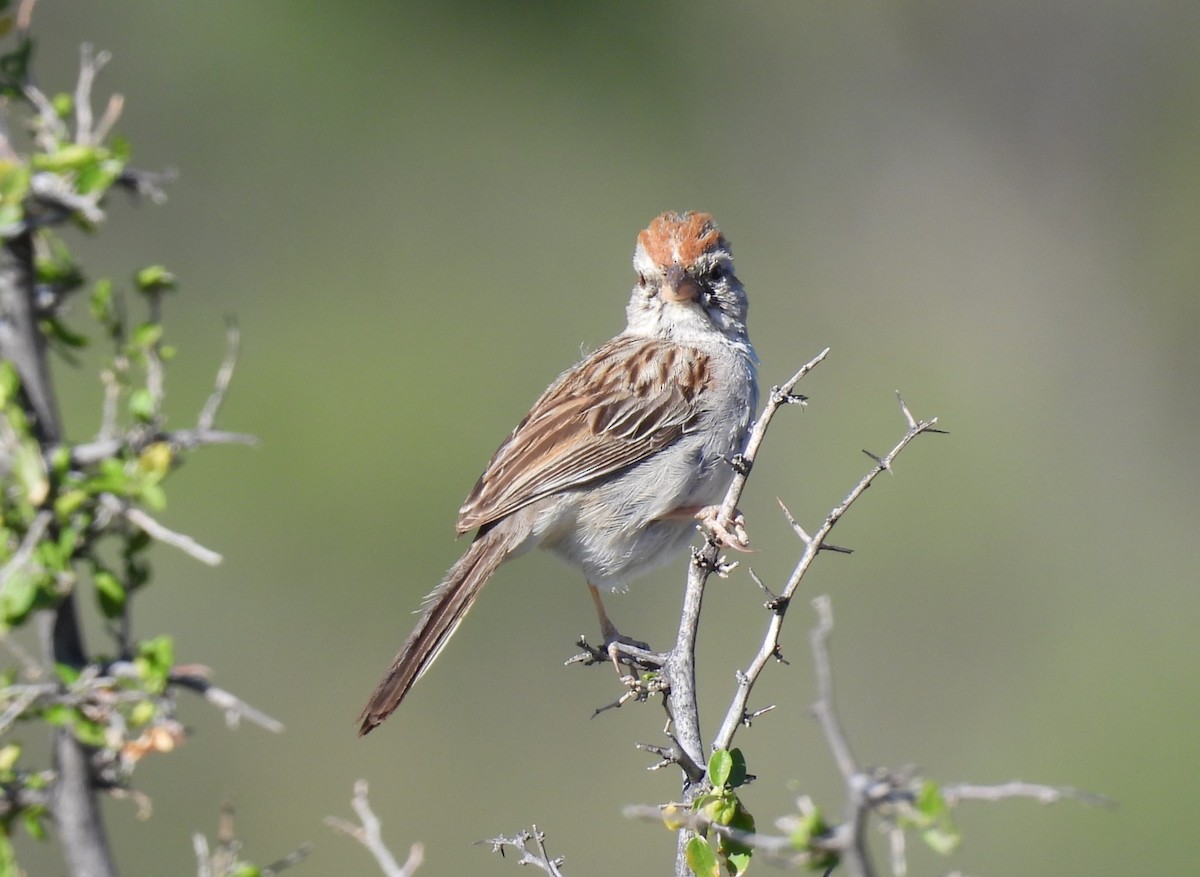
[99, 177]
[737, 771]
[720, 763]
[63, 104]
[32, 818]
[68, 502]
[152, 494]
[14, 182]
[58, 715]
[120, 148]
[155, 460]
[937, 830]
[154, 661]
[147, 335]
[30, 469]
[9, 382]
[18, 596]
[89, 732]
[8, 856]
[58, 331]
[69, 157]
[8, 757]
[110, 593]
[155, 278]
[244, 869]
[101, 302]
[142, 713]
[141, 405]
[739, 862]
[701, 859]
[67, 674]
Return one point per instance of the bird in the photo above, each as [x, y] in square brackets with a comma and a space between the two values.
[622, 453]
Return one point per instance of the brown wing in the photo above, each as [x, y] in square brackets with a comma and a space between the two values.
[638, 397]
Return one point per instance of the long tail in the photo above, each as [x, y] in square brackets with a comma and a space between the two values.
[445, 608]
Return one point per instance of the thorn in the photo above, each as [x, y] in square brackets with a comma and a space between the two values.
[773, 598]
[796, 528]
[749, 717]
[912, 421]
[837, 549]
[881, 462]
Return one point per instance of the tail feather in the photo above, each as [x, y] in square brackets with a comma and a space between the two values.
[445, 608]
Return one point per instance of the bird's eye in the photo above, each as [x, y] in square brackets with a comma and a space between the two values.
[641, 279]
[716, 272]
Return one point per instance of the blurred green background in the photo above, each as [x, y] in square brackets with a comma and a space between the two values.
[419, 213]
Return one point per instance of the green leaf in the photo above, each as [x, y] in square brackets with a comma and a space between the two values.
[737, 771]
[32, 818]
[120, 148]
[937, 830]
[155, 278]
[58, 330]
[110, 593]
[18, 596]
[69, 157]
[701, 859]
[739, 862]
[8, 757]
[8, 856]
[110, 477]
[154, 661]
[9, 382]
[100, 176]
[101, 303]
[147, 335]
[63, 104]
[59, 715]
[30, 469]
[244, 869]
[67, 674]
[68, 502]
[141, 405]
[155, 460]
[142, 713]
[720, 763]
[14, 182]
[89, 732]
[153, 496]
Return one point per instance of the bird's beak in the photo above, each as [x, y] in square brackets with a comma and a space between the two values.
[679, 286]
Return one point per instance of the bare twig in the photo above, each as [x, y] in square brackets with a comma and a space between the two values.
[958, 792]
[184, 439]
[854, 832]
[823, 708]
[163, 534]
[235, 708]
[90, 63]
[208, 414]
[368, 834]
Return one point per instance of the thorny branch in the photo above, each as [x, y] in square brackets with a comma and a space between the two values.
[531, 848]
[680, 668]
[813, 544]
